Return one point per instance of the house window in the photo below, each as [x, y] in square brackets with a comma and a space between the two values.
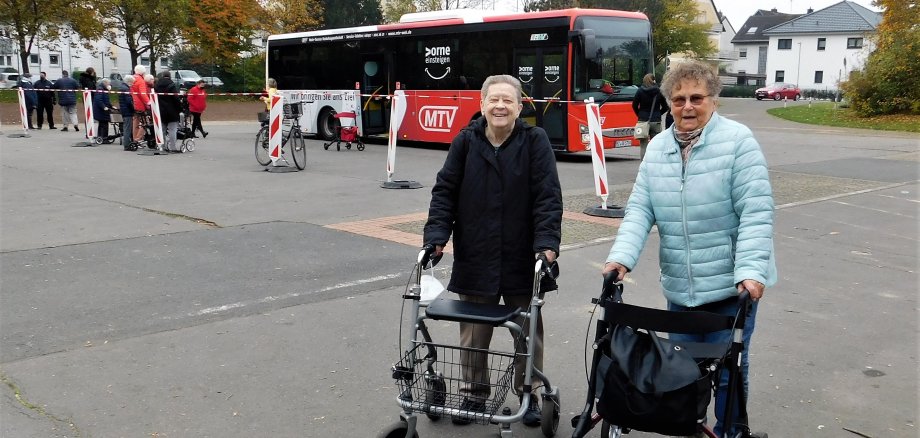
[164, 61]
[854, 43]
[780, 76]
[785, 44]
[6, 60]
[752, 30]
[819, 77]
[54, 59]
[822, 43]
[33, 59]
[145, 60]
[742, 53]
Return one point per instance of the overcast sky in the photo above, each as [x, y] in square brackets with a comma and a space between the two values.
[738, 11]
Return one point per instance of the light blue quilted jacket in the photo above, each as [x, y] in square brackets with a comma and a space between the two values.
[715, 219]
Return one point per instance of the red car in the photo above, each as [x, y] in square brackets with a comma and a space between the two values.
[778, 91]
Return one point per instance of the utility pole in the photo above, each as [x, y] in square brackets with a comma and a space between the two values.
[798, 69]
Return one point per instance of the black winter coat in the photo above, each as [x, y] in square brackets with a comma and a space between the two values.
[169, 105]
[643, 103]
[501, 208]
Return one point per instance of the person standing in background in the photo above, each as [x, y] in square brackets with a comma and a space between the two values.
[170, 107]
[126, 108]
[270, 90]
[197, 103]
[46, 100]
[88, 79]
[25, 82]
[67, 99]
[141, 101]
[102, 108]
[649, 104]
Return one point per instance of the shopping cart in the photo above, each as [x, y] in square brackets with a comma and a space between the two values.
[429, 375]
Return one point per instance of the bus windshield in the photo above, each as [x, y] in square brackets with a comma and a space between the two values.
[623, 57]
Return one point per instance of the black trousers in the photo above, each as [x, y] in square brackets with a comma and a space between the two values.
[196, 123]
[45, 107]
[103, 128]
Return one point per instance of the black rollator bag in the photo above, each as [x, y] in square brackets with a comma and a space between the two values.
[647, 383]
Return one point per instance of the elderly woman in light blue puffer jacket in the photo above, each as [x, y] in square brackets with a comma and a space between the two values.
[704, 183]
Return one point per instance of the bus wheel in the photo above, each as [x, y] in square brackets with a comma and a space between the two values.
[326, 124]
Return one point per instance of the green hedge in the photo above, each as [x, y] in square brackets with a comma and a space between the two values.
[738, 91]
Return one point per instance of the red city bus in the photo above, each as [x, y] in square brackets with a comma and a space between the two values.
[440, 60]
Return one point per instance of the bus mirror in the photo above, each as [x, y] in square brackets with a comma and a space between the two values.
[588, 43]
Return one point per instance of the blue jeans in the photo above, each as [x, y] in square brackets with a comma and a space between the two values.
[724, 307]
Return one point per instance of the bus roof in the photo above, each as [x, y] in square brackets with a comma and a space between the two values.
[456, 17]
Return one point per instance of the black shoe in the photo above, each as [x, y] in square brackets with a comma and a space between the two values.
[31, 128]
[64, 129]
[75, 128]
[533, 416]
[469, 405]
[204, 134]
[50, 126]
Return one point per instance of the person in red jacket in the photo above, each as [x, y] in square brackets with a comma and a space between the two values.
[197, 102]
[139, 92]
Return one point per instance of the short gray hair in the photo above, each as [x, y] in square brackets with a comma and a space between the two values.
[129, 79]
[272, 83]
[502, 79]
[105, 81]
[694, 70]
[140, 69]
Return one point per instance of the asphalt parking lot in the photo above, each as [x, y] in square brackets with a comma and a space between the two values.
[196, 295]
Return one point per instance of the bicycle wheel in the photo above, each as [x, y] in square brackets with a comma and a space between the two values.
[262, 147]
[298, 149]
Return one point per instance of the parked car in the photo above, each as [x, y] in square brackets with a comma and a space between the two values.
[778, 91]
[212, 81]
[185, 78]
[8, 80]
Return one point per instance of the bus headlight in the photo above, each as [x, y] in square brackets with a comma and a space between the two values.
[585, 137]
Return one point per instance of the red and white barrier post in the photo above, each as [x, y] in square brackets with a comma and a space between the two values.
[598, 162]
[157, 121]
[23, 114]
[88, 124]
[274, 128]
[397, 113]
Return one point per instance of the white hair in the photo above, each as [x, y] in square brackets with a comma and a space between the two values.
[149, 77]
[140, 69]
[129, 79]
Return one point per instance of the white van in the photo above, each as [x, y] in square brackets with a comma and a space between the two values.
[184, 78]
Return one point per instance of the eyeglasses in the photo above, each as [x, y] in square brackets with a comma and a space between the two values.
[695, 100]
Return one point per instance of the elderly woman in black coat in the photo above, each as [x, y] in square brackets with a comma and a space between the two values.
[170, 108]
[102, 107]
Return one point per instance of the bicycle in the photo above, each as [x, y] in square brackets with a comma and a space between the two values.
[292, 112]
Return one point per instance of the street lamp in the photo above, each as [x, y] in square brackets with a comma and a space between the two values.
[798, 69]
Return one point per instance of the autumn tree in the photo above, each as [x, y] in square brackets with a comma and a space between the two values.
[285, 16]
[220, 30]
[890, 80]
[141, 26]
[31, 22]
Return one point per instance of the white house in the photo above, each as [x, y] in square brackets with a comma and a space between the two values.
[752, 45]
[818, 49]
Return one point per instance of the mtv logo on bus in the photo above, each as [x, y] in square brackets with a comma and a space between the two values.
[436, 118]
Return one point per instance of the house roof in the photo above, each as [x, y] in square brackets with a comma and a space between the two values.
[845, 16]
[752, 31]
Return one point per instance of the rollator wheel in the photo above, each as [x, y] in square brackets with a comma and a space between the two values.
[360, 146]
[610, 431]
[550, 413]
[188, 145]
[396, 430]
[348, 146]
[435, 395]
[326, 146]
[338, 147]
[97, 140]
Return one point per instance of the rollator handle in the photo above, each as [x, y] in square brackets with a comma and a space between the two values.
[425, 256]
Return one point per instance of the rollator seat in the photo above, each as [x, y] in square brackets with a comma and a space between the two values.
[477, 313]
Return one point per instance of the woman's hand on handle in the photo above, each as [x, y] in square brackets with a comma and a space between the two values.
[754, 287]
[614, 266]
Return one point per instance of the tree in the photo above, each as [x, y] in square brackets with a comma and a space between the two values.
[346, 13]
[285, 16]
[397, 8]
[141, 26]
[890, 80]
[221, 29]
[33, 21]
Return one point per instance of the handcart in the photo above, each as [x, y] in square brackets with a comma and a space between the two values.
[429, 375]
[642, 410]
[346, 132]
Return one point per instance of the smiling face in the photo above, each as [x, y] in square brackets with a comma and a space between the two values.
[691, 105]
[501, 106]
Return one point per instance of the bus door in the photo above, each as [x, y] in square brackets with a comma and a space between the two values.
[542, 74]
[375, 86]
